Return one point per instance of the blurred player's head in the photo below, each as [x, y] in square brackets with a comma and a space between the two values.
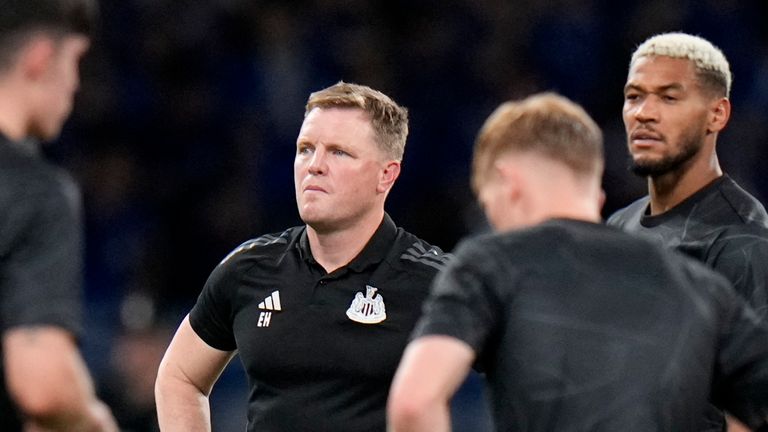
[675, 103]
[348, 155]
[532, 152]
[41, 43]
[388, 119]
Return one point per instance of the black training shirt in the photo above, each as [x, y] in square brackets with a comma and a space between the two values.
[40, 250]
[721, 225]
[320, 350]
[581, 327]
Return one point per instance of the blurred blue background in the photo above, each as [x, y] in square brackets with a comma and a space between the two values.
[184, 130]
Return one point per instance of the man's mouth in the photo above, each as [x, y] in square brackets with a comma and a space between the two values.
[645, 138]
[313, 188]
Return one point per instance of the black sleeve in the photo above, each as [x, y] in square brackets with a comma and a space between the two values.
[741, 372]
[41, 280]
[743, 260]
[462, 303]
[212, 316]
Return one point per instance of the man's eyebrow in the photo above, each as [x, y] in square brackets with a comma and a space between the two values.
[659, 89]
[673, 86]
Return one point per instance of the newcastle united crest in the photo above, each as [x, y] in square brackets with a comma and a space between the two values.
[368, 309]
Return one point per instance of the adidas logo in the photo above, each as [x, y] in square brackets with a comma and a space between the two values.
[271, 303]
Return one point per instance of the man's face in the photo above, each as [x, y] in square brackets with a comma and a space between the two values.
[59, 84]
[338, 168]
[665, 114]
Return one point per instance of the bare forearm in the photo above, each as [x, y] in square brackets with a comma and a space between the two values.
[96, 418]
[431, 370]
[50, 383]
[181, 407]
[434, 418]
[734, 425]
[184, 380]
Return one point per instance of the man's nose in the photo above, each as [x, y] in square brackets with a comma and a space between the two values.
[317, 164]
[647, 110]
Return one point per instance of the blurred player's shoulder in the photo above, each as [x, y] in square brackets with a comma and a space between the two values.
[31, 187]
[21, 167]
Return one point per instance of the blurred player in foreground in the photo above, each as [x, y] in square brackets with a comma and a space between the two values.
[46, 384]
[578, 326]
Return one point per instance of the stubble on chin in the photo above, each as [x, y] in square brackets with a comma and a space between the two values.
[691, 146]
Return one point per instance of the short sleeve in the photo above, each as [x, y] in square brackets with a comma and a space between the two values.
[41, 280]
[741, 373]
[462, 303]
[212, 315]
[743, 260]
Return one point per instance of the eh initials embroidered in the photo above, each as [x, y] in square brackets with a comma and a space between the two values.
[271, 303]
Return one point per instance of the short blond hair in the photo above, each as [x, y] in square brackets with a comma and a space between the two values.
[388, 119]
[546, 124]
[712, 67]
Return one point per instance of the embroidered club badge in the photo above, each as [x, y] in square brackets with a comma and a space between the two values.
[368, 309]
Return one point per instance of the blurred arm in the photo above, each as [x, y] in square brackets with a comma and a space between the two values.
[186, 376]
[49, 382]
[734, 425]
[429, 374]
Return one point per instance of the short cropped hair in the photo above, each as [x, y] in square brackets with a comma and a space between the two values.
[712, 68]
[388, 119]
[20, 19]
[545, 124]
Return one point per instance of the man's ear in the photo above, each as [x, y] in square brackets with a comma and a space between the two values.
[510, 176]
[37, 56]
[388, 175]
[719, 113]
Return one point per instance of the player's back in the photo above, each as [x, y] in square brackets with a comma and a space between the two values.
[600, 331]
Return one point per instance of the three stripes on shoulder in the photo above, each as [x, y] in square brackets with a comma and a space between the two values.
[264, 240]
[432, 257]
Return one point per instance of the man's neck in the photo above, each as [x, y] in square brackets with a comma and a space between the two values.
[336, 248]
[558, 198]
[575, 209]
[669, 190]
[12, 115]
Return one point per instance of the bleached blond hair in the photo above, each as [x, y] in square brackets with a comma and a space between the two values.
[711, 65]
